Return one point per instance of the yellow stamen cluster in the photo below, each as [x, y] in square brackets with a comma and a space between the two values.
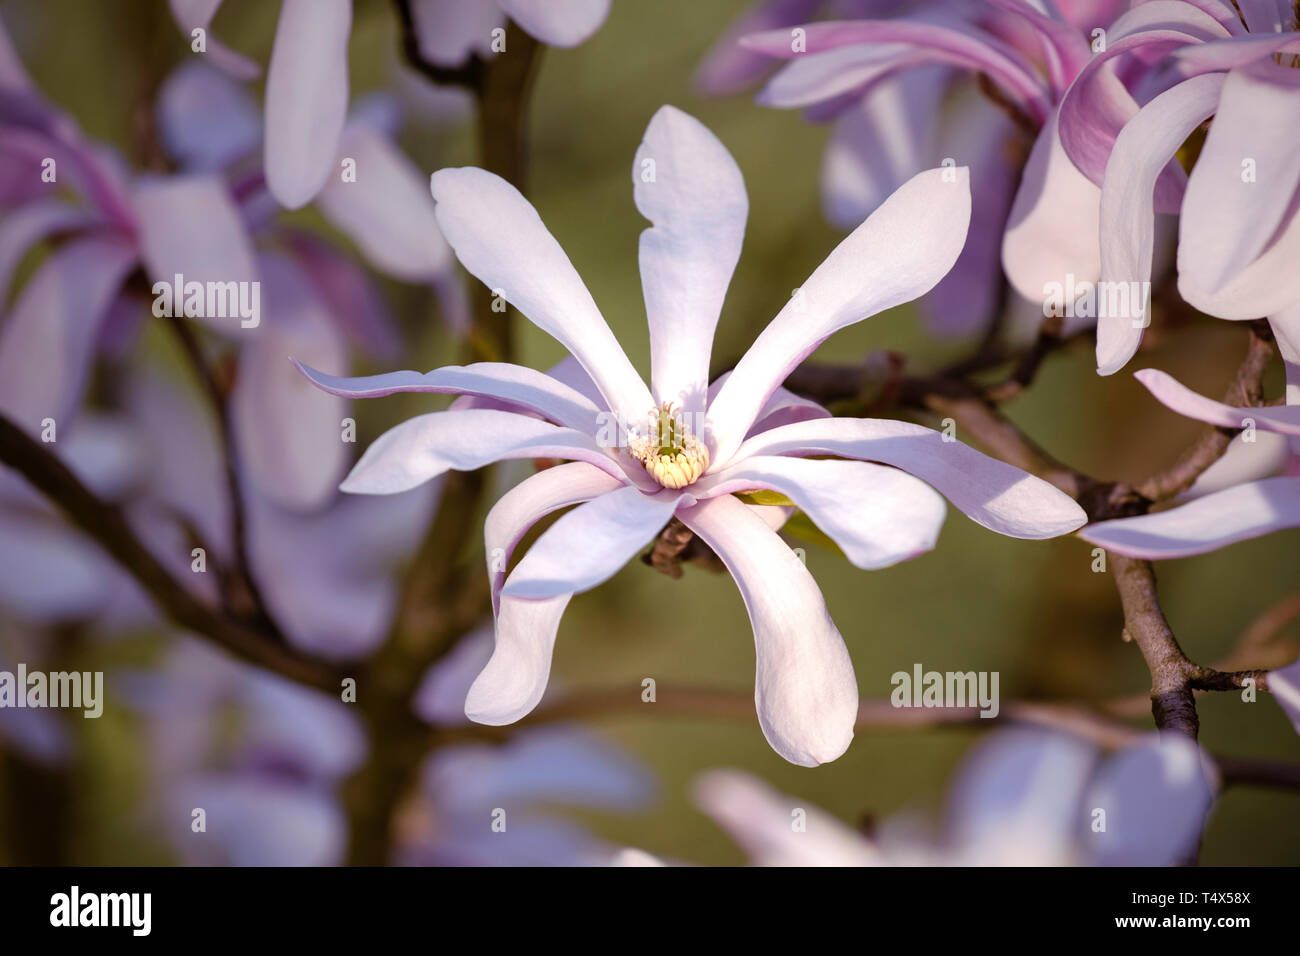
[670, 453]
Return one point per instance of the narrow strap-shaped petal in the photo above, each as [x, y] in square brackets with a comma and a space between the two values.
[877, 515]
[197, 14]
[558, 22]
[898, 254]
[1206, 524]
[532, 499]
[1173, 394]
[728, 67]
[516, 384]
[306, 97]
[424, 447]
[990, 492]
[387, 211]
[516, 675]
[805, 691]
[1052, 229]
[499, 238]
[591, 543]
[691, 190]
[1128, 225]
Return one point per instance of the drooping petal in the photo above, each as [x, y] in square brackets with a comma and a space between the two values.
[289, 435]
[691, 190]
[1236, 249]
[589, 544]
[1052, 230]
[1173, 394]
[499, 238]
[386, 211]
[805, 691]
[516, 384]
[758, 818]
[515, 677]
[1142, 149]
[1156, 795]
[558, 22]
[878, 516]
[990, 492]
[306, 97]
[898, 254]
[527, 502]
[1206, 524]
[424, 447]
[47, 340]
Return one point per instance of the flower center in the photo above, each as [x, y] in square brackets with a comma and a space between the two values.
[670, 452]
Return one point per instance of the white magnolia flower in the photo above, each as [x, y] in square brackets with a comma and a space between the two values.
[683, 447]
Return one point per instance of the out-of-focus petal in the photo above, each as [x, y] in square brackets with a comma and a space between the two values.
[205, 119]
[387, 211]
[1206, 524]
[908, 244]
[449, 31]
[306, 97]
[805, 691]
[1284, 684]
[990, 492]
[48, 337]
[1156, 795]
[558, 22]
[691, 190]
[191, 15]
[728, 67]
[498, 236]
[28, 226]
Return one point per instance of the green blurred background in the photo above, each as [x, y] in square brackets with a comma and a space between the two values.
[1033, 611]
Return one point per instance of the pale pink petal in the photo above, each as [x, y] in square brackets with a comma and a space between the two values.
[306, 97]
[1173, 394]
[527, 502]
[898, 254]
[822, 79]
[206, 120]
[728, 67]
[515, 677]
[1236, 251]
[515, 384]
[1284, 685]
[1128, 222]
[386, 211]
[424, 447]
[688, 186]
[28, 226]
[1052, 230]
[558, 22]
[589, 544]
[498, 236]
[877, 515]
[805, 691]
[1205, 524]
[990, 492]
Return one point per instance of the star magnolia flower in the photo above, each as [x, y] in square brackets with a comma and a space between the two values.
[1022, 797]
[640, 456]
[1238, 235]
